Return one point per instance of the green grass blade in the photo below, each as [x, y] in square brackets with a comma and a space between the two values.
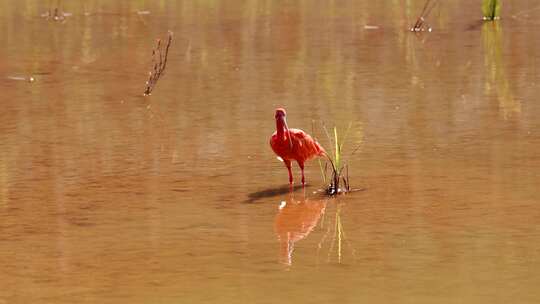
[345, 136]
[491, 9]
[333, 156]
[338, 150]
[322, 170]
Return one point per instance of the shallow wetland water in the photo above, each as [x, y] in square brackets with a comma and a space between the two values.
[110, 197]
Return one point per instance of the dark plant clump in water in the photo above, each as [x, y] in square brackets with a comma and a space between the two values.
[55, 13]
[421, 24]
[159, 63]
[491, 9]
[338, 181]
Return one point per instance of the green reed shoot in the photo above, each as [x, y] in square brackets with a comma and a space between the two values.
[491, 9]
[337, 154]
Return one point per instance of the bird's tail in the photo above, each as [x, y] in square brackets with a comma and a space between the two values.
[321, 151]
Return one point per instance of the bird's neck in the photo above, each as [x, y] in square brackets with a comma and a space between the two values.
[280, 128]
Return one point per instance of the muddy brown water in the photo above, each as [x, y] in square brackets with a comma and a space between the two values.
[109, 197]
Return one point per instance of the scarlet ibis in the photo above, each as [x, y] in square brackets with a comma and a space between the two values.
[293, 144]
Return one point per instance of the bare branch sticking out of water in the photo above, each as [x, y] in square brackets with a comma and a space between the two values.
[421, 24]
[159, 63]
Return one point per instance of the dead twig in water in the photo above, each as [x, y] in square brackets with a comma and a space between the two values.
[159, 63]
[22, 78]
[421, 24]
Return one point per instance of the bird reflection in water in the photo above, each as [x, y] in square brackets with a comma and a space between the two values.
[294, 221]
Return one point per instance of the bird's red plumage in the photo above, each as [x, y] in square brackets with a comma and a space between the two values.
[304, 147]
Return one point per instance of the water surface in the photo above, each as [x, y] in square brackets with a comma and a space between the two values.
[110, 197]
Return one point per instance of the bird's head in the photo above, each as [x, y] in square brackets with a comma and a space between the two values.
[280, 112]
[280, 119]
[281, 124]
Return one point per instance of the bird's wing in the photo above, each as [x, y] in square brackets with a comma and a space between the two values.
[305, 144]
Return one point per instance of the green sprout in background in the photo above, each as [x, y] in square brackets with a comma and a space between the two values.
[491, 9]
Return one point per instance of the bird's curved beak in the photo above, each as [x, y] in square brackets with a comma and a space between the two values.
[284, 122]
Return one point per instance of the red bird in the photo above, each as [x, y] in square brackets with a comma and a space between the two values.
[293, 144]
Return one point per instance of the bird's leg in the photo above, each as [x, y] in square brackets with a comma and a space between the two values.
[288, 164]
[301, 165]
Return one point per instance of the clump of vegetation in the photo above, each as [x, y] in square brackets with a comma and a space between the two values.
[491, 9]
[338, 179]
[421, 24]
[56, 14]
[159, 63]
